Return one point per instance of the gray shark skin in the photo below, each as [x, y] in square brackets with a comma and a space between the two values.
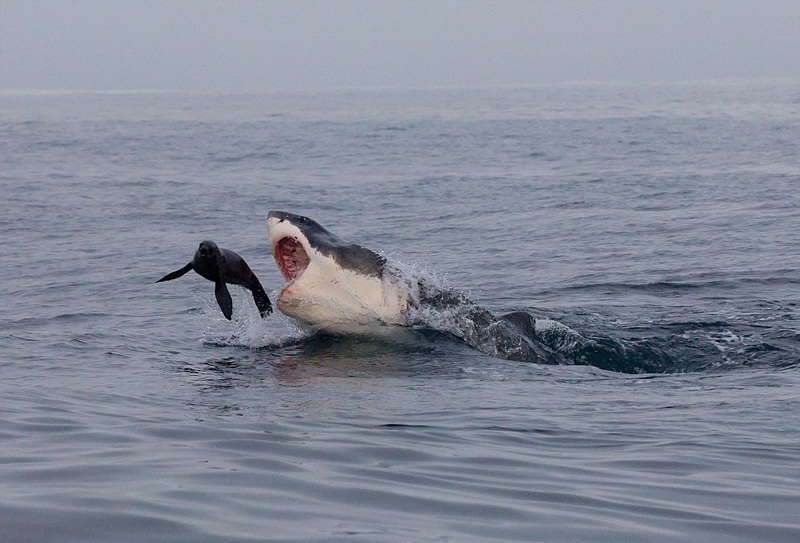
[340, 286]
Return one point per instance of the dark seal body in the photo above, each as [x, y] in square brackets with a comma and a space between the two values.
[224, 266]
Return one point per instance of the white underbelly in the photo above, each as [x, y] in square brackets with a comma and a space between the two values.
[340, 300]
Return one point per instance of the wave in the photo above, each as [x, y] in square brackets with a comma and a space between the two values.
[672, 286]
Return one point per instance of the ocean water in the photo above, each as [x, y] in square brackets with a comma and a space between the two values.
[660, 220]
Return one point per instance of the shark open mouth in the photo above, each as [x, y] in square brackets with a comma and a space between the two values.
[291, 258]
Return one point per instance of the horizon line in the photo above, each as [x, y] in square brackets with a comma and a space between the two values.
[386, 88]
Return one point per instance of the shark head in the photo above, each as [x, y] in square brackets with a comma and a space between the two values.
[331, 283]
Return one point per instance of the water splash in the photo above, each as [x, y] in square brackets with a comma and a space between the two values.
[434, 304]
[247, 328]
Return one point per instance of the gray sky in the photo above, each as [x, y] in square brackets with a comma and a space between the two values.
[239, 45]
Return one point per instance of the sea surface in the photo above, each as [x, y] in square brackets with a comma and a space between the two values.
[661, 219]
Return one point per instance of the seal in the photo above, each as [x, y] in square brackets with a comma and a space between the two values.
[223, 266]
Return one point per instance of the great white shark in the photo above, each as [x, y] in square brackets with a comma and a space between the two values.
[342, 287]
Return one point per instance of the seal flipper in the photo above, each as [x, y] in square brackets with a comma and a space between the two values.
[261, 299]
[224, 299]
[177, 273]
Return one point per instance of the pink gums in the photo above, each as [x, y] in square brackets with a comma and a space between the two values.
[291, 258]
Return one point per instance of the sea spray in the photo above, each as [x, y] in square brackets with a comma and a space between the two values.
[248, 328]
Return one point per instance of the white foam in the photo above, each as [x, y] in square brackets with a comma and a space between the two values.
[453, 312]
[559, 336]
[247, 328]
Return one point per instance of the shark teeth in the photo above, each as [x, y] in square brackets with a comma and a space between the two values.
[291, 257]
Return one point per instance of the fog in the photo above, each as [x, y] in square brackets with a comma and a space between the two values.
[310, 45]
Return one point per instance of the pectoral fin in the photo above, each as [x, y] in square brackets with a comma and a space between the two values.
[176, 274]
[224, 299]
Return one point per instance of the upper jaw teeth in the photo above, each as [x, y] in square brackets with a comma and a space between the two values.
[288, 258]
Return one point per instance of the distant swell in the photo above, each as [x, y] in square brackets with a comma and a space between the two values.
[666, 286]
